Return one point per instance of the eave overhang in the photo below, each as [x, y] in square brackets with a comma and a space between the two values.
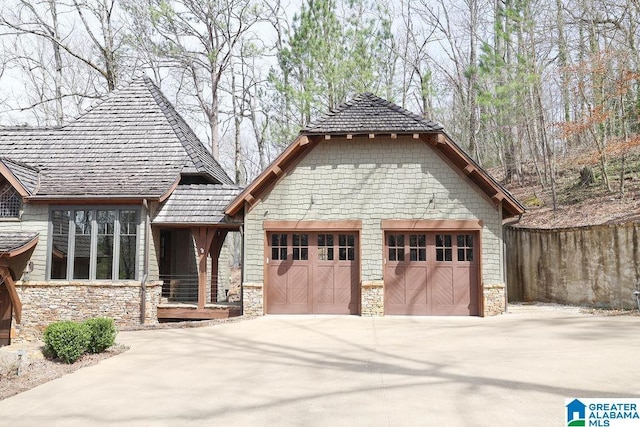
[439, 141]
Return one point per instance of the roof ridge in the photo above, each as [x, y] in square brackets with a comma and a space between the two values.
[183, 131]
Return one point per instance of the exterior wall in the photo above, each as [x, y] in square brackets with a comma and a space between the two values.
[47, 302]
[44, 301]
[373, 180]
[34, 219]
[594, 266]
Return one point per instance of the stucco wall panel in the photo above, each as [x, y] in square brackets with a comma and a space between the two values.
[595, 266]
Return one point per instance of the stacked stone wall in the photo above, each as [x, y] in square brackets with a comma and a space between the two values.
[372, 298]
[252, 299]
[494, 299]
[47, 302]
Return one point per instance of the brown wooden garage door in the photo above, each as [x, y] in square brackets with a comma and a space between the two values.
[431, 273]
[312, 273]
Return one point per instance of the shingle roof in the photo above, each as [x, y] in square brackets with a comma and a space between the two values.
[367, 113]
[197, 204]
[27, 175]
[11, 241]
[132, 143]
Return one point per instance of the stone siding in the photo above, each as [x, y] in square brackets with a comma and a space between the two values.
[372, 298]
[47, 302]
[493, 299]
[252, 299]
[373, 180]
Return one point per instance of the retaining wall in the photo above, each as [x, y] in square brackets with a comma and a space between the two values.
[596, 266]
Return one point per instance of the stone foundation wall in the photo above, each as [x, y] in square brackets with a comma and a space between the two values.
[372, 298]
[47, 302]
[494, 299]
[252, 299]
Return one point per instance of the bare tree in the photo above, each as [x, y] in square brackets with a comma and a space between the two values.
[198, 39]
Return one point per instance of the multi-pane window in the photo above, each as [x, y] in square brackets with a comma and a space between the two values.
[418, 247]
[346, 247]
[128, 234]
[300, 246]
[396, 247]
[82, 244]
[465, 247]
[10, 200]
[444, 250]
[278, 247]
[93, 244]
[325, 247]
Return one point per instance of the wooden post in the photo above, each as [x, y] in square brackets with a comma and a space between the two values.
[216, 248]
[203, 236]
[5, 275]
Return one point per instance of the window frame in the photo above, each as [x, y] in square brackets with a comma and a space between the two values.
[69, 213]
[4, 183]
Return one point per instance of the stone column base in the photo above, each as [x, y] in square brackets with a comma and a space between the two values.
[252, 299]
[494, 299]
[372, 298]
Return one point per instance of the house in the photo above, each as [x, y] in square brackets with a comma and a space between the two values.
[118, 213]
[374, 210]
[123, 212]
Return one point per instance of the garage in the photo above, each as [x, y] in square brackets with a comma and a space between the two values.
[431, 272]
[312, 272]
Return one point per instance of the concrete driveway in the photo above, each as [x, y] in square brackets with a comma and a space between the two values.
[515, 369]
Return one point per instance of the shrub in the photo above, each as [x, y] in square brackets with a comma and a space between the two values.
[103, 334]
[66, 340]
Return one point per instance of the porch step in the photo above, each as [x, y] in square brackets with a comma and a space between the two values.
[191, 312]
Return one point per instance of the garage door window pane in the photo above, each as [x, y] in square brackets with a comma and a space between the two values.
[325, 247]
[300, 246]
[396, 247]
[465, 247]
[346, 247]
[444, 250]
[418, 247]
[279, 247]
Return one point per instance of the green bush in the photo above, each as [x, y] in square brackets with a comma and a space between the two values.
[66, 340]
[103, 334]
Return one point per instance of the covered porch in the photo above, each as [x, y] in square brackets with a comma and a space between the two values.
[193, 260]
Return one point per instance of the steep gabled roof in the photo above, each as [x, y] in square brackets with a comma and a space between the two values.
[132, 144]
[197, 204]
[25, 176]
[367, 113]
[370, 115]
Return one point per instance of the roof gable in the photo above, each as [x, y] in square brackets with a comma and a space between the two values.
[22, 177]
[370, 115]
[132, 144]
